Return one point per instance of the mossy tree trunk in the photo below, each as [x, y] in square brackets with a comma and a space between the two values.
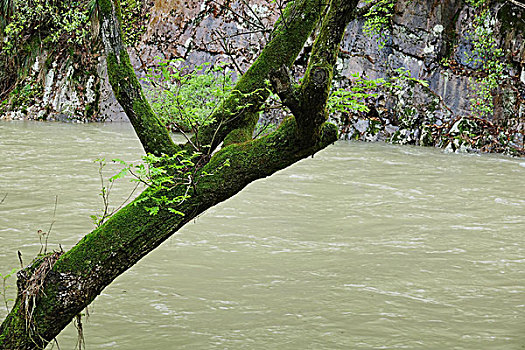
[73, 279]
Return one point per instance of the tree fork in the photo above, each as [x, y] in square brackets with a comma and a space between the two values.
[299, 19]
[73, 281]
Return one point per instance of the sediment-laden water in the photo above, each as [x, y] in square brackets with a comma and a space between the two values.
[364, 246]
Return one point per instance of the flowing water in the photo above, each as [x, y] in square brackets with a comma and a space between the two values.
[364, 246]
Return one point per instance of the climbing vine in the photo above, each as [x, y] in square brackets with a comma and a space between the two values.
[134, 18]
[379, 19]
[487, 57]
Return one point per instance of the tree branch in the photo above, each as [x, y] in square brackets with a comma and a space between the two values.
[68, 282]
[517, 3]
[79, 275]
[233, 124]
[284, 86]
[152, 133]
[317, 82]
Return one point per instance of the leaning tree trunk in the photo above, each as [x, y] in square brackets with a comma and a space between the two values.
[57, 287]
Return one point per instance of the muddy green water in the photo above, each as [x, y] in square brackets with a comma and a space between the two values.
[364, 246]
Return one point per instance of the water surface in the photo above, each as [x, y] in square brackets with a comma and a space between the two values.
[364, 246]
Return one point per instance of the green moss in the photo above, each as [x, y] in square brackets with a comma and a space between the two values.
[287, 42]
[237, 136]
[105, 7]
[128, 91]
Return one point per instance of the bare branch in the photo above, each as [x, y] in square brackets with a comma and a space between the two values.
[522, 5]
[52, 223]
[254, 14]
[226, 47]
[231, 36]
[239, 16]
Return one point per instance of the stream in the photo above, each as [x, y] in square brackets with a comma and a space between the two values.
[364, 246]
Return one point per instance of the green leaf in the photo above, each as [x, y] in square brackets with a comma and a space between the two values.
[176, 212]
[152, 210]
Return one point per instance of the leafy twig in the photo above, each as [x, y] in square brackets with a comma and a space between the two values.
[45, 235]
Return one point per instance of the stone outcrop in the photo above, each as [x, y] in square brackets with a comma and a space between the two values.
[432, 39]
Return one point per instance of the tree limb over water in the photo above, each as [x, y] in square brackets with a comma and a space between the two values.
[56, 287]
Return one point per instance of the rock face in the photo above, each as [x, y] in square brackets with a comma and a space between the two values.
[56, 89]
[206, 31]
[432, 39]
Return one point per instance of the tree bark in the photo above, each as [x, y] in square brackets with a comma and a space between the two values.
[57, 287]
[292, 30]
[152, 134]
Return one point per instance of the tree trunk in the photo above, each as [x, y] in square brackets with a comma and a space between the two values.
[57, 287]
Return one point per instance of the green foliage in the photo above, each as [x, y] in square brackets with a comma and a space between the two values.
[32, 27]
[67, 22]
[488, 57]
[476, 3]
[52, 20]
[164, 177]
[185, 98]
[378, 19]
[354, 98]
[134, 17]
[25, 95]
[5, 287]
[105, 191]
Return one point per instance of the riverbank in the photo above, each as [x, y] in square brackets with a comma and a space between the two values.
[433, 41]
[461, 135]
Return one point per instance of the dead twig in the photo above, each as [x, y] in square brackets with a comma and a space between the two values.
[517, 3]
[80, 330]
[225, 45]
[34, 285]
[20, 259]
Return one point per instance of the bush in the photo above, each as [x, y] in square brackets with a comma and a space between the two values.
[184, 98]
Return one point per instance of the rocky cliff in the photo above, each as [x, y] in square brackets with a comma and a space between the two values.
[434, 40]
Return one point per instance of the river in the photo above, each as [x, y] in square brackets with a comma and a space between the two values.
[364, 246]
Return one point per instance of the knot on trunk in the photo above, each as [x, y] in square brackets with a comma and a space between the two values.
[320, 76]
